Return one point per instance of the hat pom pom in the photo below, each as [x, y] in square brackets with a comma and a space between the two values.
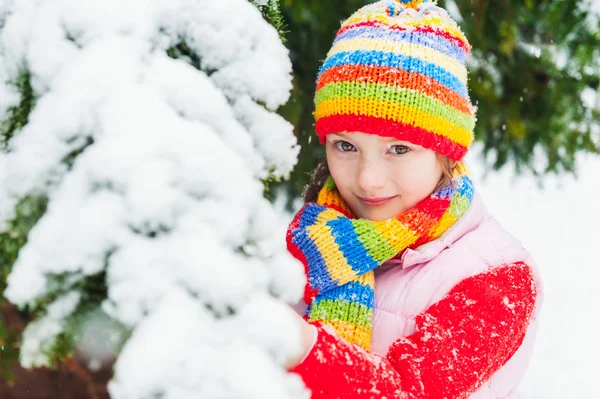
[398, 6]
[413, 3]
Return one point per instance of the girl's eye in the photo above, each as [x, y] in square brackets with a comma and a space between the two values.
[399, 149]
[344, 146]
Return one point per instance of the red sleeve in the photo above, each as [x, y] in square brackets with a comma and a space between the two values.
[458, 344]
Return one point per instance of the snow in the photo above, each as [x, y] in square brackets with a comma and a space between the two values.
[38, 337]
[166, 195]
[476, 60]
[453, 11]
[559, 225]
[592, 7]
[532, 49]
[590, 98]
[196, 348]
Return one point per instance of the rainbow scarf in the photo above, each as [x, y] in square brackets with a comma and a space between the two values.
[340, 252]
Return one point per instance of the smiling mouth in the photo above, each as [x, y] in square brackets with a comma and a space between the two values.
[379, 201]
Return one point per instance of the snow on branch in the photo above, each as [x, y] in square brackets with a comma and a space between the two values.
[151, 127]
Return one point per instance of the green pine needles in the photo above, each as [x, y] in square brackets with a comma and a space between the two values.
[28, 212]
[272, 13]
[18, 115]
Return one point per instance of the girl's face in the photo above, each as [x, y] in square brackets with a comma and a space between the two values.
[380, 177]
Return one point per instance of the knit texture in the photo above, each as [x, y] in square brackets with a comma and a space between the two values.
[397, 69]
[340, 252]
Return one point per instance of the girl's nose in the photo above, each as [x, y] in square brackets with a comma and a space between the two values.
[371, 176]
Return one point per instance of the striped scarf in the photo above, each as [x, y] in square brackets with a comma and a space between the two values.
[340, 252]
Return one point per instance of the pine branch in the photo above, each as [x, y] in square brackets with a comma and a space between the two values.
[272, 14]
[18, 115]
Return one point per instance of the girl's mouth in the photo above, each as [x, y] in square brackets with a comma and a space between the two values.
[376, 201]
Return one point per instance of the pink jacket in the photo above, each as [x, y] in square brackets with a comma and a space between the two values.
[406, 290]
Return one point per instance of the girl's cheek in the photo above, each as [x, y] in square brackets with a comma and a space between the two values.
[341, 166]
[402, 175]
[411, 181]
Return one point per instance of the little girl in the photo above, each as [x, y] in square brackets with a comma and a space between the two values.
[413, 289]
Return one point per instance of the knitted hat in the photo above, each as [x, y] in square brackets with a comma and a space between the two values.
[397, 69]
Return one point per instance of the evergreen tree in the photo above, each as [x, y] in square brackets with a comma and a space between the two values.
[134, 141]
[533, 64]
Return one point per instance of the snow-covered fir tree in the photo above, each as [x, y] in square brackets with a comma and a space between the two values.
[135, 137]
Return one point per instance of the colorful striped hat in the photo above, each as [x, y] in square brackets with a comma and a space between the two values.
[397, 69]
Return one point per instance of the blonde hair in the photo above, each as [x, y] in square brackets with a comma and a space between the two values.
[449, 170]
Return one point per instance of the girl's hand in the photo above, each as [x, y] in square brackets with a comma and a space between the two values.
[309, 335]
